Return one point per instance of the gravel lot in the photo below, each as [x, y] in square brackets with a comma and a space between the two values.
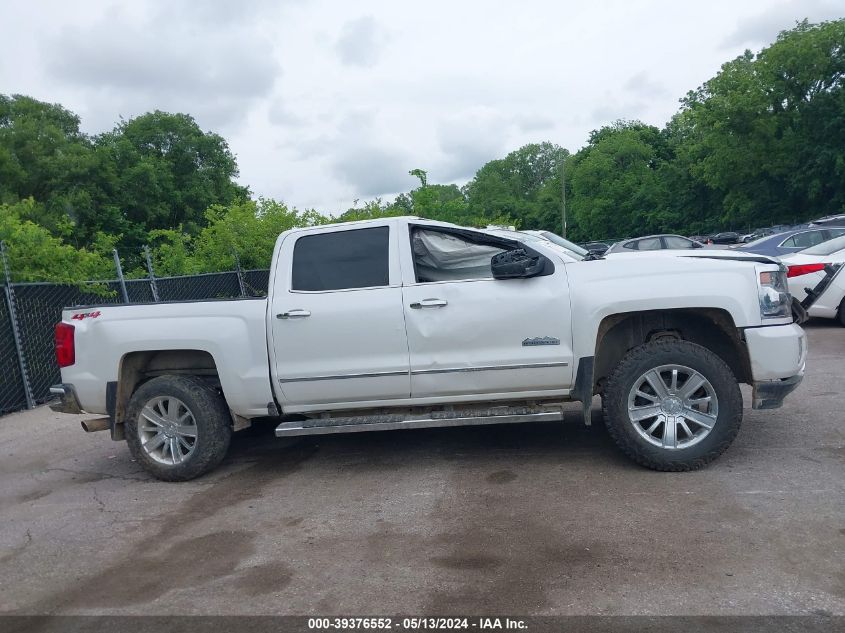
[522, 519]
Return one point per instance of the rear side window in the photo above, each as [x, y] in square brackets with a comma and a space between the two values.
[649, 244]
[803, 240]
[673, 241]
[343, 259]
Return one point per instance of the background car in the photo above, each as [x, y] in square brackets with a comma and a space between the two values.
[791, 241]
[596, 248]
[807, 268]
[728, 237]
[830, 220]
[653, 243]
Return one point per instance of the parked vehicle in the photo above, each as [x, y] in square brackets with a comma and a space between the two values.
[817, 272]
[404, 323]
[596, 248]
[653, 243]
[791, 241]
[756, 235]
[830, 220]
[728, 237]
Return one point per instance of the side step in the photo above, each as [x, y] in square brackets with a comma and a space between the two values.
[391, 422]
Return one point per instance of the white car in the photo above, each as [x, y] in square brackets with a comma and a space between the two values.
[819, 269]
[403, 323]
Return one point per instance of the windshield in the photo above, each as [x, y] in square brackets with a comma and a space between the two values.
[565, 243]
[826, 248]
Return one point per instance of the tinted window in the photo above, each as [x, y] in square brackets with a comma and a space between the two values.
[343, 259]
[673, 241]
[649, 244]
[631, 245]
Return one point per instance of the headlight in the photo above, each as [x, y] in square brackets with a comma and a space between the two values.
[775, 300]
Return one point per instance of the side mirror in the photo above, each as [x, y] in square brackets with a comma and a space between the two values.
[517, 264]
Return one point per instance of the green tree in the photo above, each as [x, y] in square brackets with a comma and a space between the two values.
[44, 155]
[168, 172]
[36, 255]
[615, 182]
[519, 186]
[767, 133]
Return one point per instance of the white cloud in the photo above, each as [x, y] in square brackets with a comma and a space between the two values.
[360, 42]
[327, 101]
[762, 28]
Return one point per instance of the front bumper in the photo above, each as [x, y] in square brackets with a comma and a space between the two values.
[769, 394]
[778, 355]
[68, 402]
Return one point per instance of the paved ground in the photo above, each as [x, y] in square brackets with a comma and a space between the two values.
[532, 519]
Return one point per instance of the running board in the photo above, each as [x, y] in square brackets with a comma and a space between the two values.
[392, 422]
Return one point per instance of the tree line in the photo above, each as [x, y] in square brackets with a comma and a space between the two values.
[761, 143]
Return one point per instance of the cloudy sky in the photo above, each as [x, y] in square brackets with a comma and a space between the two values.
[326, 102]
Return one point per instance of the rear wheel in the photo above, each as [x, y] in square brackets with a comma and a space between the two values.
[178, 427]
[672, 405]
[840, 316]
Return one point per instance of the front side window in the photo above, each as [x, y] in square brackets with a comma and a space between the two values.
[440, 256]
[359, 258]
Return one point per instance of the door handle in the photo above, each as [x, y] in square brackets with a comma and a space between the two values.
[296, 313]
[429, 303]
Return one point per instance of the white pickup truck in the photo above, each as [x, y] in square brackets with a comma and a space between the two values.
[407, 323]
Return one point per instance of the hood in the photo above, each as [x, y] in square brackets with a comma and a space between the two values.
[700, 253]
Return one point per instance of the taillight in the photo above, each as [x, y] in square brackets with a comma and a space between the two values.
[65, 350]
[804, 269]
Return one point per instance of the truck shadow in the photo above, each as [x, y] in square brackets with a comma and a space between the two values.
[555, 441]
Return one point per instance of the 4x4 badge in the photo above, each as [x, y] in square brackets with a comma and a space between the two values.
[540, 340]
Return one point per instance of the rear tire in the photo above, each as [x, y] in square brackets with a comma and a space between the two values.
[178, 427]
[676, 437]
[840, 315]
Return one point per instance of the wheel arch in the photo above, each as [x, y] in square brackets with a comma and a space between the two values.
[712, 328]
[138, 367]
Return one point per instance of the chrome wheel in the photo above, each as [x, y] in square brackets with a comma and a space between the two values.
[673, 406]
[167, 430]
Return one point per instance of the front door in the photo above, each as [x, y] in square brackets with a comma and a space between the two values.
[337, 329]
[469, 333]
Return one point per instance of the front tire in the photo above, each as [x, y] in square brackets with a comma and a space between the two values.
[672, 405]
[178, 427]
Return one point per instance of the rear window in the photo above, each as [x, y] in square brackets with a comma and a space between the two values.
[359, 258]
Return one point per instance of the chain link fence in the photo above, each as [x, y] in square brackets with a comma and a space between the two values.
[29, 312]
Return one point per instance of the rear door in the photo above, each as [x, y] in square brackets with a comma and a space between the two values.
[471, 334]
[338, 330]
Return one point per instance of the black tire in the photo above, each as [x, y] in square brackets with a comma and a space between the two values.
[210, 413]
[840, 316]
[672, 352]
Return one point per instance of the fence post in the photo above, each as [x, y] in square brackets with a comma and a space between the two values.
[153, 285]
[16, 334]
[240, 273]
[120, 278]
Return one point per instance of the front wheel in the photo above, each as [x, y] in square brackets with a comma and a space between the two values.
[178, 427]
[672, 405]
